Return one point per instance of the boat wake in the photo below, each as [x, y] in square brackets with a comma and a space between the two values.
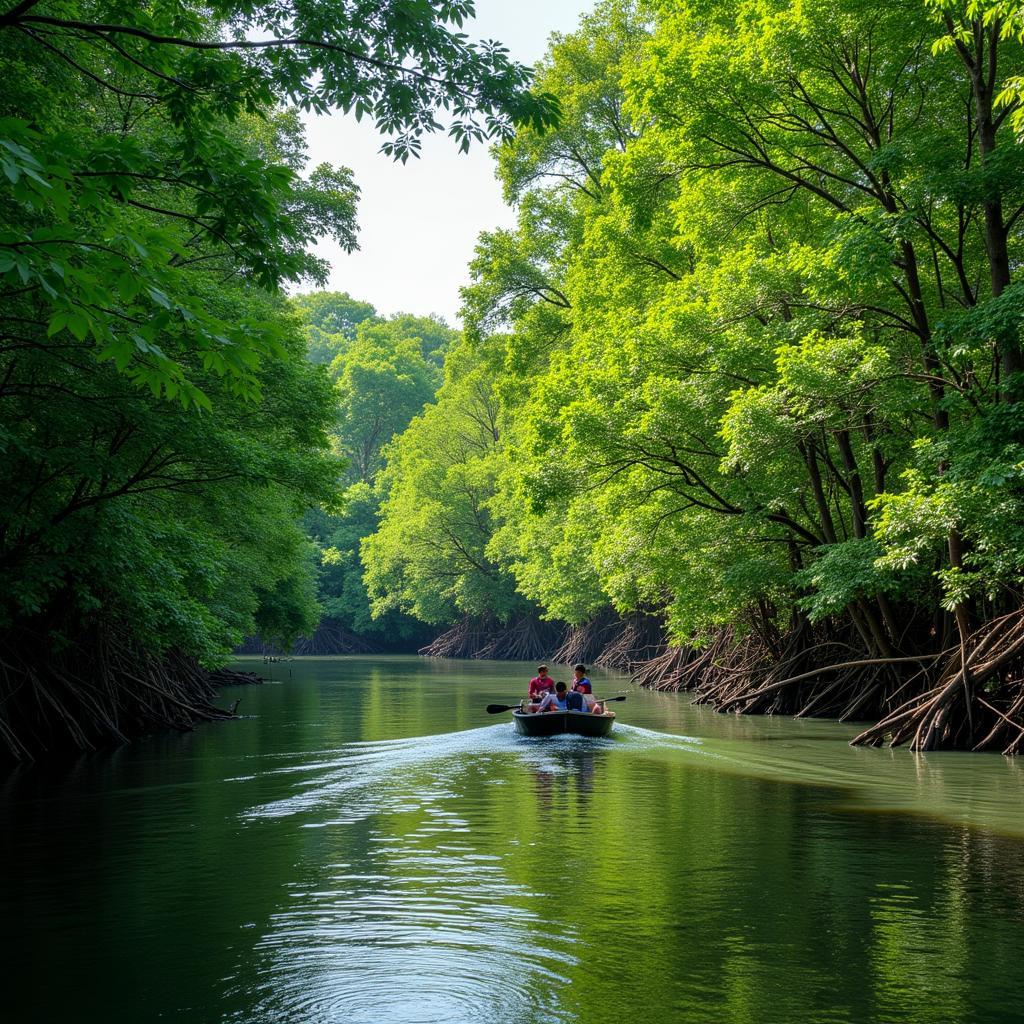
[421, 864]
[361, 778]
[405, 910]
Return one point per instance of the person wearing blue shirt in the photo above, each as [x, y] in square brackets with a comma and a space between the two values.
[576, 701]
[581, 684]
[554, 701]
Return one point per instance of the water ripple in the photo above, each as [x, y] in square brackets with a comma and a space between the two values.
[365, 777]
[440, 933]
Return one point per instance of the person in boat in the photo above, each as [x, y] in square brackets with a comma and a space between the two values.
[555, 701]
[540, 685]
[581, 684]
[576, 700]
[580, 681]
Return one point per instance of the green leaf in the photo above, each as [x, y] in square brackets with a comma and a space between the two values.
[128, 286]
[58, 322]
[78, 324]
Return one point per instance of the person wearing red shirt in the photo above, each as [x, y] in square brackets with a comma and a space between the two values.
[541, 683]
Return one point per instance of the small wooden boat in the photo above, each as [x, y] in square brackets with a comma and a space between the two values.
[553, 723]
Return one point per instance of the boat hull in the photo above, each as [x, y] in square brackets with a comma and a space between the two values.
[554, 723]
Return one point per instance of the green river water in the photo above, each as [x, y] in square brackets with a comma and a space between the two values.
[368, 846]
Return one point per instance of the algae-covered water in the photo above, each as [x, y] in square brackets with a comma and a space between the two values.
[369, 846]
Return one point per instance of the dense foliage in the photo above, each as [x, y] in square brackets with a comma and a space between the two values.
[385, 371]
[748, 366]
[763, 359]
[162, 430]
[429, 557]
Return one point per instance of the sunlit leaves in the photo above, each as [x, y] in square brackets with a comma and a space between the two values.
[429, 556]
[771, 364]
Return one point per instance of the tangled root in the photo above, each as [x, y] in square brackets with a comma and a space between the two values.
[98, 691]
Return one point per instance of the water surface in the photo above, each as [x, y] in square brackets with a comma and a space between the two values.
[370, 846]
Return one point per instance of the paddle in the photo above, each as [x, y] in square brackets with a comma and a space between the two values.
[609, 700]
[497, 709]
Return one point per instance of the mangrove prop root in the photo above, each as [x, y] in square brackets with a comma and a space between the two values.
[814, 674]
[635, 639]
[461, 641]
[809, 669]
[524, 638]
[607, 640]
[97, 691]
[584, 642]
[978, 689]
[963, 697]
[612, 641]
[668, 670]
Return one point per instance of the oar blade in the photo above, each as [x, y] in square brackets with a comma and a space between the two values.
[497, 709]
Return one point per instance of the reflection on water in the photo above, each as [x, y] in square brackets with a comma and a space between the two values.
[369, 846]
[439, 932]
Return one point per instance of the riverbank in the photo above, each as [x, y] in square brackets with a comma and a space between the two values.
[933, 693]
[100, 692]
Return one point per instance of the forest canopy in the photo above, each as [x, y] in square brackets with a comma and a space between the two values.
[736, 404]
[754, 363]
[162, 429]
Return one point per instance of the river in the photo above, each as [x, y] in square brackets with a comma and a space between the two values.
[368, 846]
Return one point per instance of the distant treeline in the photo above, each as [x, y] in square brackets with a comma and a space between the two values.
[384, 371]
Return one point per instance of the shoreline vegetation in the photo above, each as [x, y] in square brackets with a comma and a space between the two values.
[737, 405]
[748, 366]
[163, 430]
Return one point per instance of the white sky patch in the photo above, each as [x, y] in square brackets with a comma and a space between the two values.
[419, 222]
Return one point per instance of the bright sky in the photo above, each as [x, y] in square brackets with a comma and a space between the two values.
[418, 222]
